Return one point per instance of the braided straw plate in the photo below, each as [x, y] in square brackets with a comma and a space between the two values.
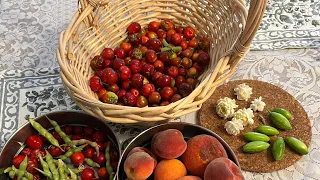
[98, 24]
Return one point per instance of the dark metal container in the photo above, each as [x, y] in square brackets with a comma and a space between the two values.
[188, 130]
[16, 142]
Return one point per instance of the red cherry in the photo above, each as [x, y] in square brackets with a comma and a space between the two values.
[96, 63]
[154, 44]
[197, 66]
[203, 58]
[134, 27]
[161, 34]
[164, 57]
[121, 93]
[184, 45]
[55, 151]
[107, 53]
[117, 63]
[166, 24]
[152, 35]
[124, 73]
[185, 89]
[113, 88]
[77, 129]
[158, 65]
[95, 84]
[173, 71]
[137, 80]
[119, 52]
[129, 99]
[166, 93]
[126, 84]
[135, 38]
[179, 30]
[147, 89]
[154, 98]
[176, 39]
[103, 173]
[87, 174]
[164, 103]
[153, 26]
[135, 66]
[127, 47]
[144, 40]
[107, 63]
[189, 33]
[164, 81]
[109, 76]
[34, 142]
[175, 61]
[135, 92]
[193, 43]
[155, 76]
[142, 101]
[192, 72]
[175, 97]
[186, 63]
[151, 55]
[147, 70]
[193, 82]
[179, 80]
[88, 131]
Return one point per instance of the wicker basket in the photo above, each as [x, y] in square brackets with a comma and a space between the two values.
[227, 23]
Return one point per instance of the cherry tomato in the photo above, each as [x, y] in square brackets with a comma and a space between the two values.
[87, 174]
[32, 164]
[67, 129]
[134, 27]
[193, 43]
[153, 26]
[77, 158]
[77, 130]
[101, 159]
[88, 131]
[34, 142]
[26, 151]
[55, 151]
[127, 47]
[189, 33]
[34, 154]
[17, 160]
[99, 136]
[89, 152]
[103, 173]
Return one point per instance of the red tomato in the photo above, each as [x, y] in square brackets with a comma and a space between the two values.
[77, 158]
[32, 164]
[153, 26]
[55, 151]
[87, 174]
[189, 33]
[17, 160]
[57, 137]
[26, 152]
[88, 131]
[101, 159]
[89, 153]
[103, 173]
[67, 129]
[34, 154]
[99, 136]
[77, 130]
[34, 142]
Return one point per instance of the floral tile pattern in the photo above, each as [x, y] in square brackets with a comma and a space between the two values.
[30, 29]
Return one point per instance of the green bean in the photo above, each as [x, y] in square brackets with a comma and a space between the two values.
[72, 174]
[23, 168]
[63, 135]
[46, 174]
[52, 166]
[44, 133]
[24, 178]
[71, 151]
[28, 175]
[108, 165]
[76, 170]
[61, 169]
[8, 169]
[12, 174]
[44, 165]
[91, 163]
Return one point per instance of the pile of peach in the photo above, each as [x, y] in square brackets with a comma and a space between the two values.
[172, 158]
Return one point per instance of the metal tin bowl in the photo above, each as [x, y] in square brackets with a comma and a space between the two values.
[16, 142]
[188, 130]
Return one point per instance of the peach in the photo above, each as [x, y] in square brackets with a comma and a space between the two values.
[142, 149]
[168, 144]
[189, 178]
[222, 169]
[169, 170]
[201, 150]
[139, 165]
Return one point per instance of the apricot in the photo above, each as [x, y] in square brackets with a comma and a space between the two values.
[201, 150]
[142, 149]
[189, 178]
[169, 170]
[168, 144]
[222, 169]
[139, 165]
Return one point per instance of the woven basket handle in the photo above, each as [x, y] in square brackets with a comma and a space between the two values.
[93, 3]
[242, 46]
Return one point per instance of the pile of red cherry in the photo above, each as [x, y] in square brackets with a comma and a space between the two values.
[36, 144]
[156, 65]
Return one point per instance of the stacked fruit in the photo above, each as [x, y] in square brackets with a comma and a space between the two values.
[156, 65]
[46, 155]
[201, 157]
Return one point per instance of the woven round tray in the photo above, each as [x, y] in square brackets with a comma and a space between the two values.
[102, 23]
[274, 97]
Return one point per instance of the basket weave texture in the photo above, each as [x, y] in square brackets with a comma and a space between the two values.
[99, 24]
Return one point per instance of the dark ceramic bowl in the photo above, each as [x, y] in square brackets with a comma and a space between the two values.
[188, 130]
[16, 142]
